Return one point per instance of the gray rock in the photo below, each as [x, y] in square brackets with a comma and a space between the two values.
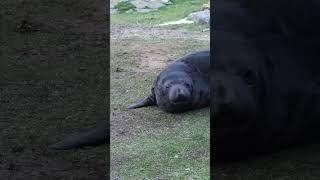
[166, 1]
[130, 11]
[200, 16]
[143, 4]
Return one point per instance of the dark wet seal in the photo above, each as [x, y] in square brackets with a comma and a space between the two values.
[181, 86]
[264, 96]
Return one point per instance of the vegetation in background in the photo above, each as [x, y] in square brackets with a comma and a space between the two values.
[178, 10]
[124, 6]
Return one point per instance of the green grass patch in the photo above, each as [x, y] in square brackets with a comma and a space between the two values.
[178, 10]
[170, 153]
[124, 6]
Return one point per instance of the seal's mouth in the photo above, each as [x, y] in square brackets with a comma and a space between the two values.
[181, 104]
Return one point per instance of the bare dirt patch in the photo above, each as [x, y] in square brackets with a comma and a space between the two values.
[147, 47]
[154, 57]
[126, 31]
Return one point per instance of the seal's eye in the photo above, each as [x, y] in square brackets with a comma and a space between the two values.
[187, 85]
[249, 77]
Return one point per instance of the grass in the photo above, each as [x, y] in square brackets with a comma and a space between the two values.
[167, 153]
[178, 10]
[124, 6]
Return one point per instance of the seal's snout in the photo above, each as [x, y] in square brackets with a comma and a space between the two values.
[179, 95]
[223, 104]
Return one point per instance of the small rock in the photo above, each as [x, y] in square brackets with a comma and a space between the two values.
[167, 2]
[206, 6]
[130, 11]
[201, 17]
[164, 1]
[143, 6]
[151, 4]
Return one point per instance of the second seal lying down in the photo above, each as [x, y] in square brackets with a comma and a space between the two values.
[181, 86]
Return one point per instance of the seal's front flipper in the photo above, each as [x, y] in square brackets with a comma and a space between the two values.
[147, 101]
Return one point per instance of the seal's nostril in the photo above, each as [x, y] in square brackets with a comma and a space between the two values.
[180, 97]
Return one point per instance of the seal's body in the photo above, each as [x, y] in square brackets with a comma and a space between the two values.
[182, 85]
[264, 95]
[264, 77]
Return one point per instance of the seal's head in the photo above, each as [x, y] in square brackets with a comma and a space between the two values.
[239, 91]
[179, 93]
[235, 99]
[172, 92]
[238, 87]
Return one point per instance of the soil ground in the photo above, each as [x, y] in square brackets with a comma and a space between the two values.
[52, 83]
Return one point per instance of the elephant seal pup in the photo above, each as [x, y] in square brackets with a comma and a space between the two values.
[265, 96]
[93, 137]
[181, 86]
